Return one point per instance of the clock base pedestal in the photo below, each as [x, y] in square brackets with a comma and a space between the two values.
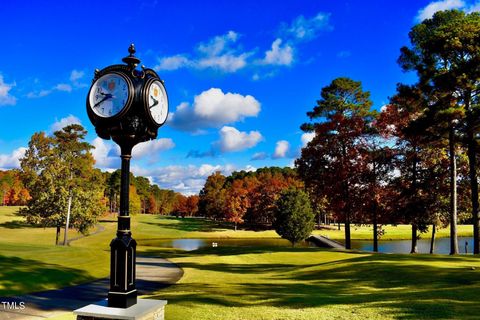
[145, 309]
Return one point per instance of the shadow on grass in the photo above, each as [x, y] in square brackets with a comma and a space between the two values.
[18, 224]
[410, 287]
[22, 275]
[28, 275]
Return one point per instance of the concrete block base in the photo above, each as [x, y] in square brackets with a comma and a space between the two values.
[145, 309]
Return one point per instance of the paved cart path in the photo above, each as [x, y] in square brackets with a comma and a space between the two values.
[152, 274]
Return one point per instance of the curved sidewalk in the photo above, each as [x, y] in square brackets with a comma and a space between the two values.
[152, 274]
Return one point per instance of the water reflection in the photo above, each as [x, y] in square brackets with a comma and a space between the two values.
[442, 245]
[194, 244]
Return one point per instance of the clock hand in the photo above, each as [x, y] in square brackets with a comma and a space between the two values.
[107, 96]
[155, 102]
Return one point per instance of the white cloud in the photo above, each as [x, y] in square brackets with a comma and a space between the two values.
[76, 75]
[281, 149]
[225, 53]
[63, 87]
[6, 98]
[278, 55]
[106, 154]
[219, 53]
[303, 29]
[188, 179]
[74, 78]
[60, 124]
[307, 137]
[173, 63]
[435, 6]
[218, 44]
[213, 108]
[233, 140]
[10, 161]
[151, 147]
[39, 94]
[226, 62]
[259, 156]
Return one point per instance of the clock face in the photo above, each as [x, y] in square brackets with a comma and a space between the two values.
[157, 102]
[109, 95]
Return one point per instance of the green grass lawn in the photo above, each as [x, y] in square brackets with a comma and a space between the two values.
[398, 232]
[254, 283]
[30, 261]
[309, 283]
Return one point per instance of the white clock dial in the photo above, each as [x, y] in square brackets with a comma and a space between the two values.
[158, 102]
[109, 95]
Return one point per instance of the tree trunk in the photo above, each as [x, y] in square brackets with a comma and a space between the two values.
[414, 188]
[414, 239]
[348, 244]
[346, 195]
[453, 193]
[57, 235]
[339, 226]
[235, 226]
[65, 239]
[472, 162]
[374, 209]
[375, 228]
[111, 203]
[432, 242]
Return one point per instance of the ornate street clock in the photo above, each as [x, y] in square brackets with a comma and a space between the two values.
[128, 106]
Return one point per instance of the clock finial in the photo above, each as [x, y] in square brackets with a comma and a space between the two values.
[131, 60]
[131, 50]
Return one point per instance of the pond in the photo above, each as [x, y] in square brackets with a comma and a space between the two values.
[194, 244]
[442, 245]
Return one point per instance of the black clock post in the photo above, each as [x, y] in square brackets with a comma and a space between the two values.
[128, 106]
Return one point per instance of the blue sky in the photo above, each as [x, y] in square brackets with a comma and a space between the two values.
[240, 74]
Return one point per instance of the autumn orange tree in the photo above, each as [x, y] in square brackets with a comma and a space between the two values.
[239, 200]
[271, 183]
[185, 205]
[12, 189]
[330, 164]
[246, 197]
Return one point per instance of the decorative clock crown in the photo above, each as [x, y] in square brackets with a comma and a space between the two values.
[131, 60]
